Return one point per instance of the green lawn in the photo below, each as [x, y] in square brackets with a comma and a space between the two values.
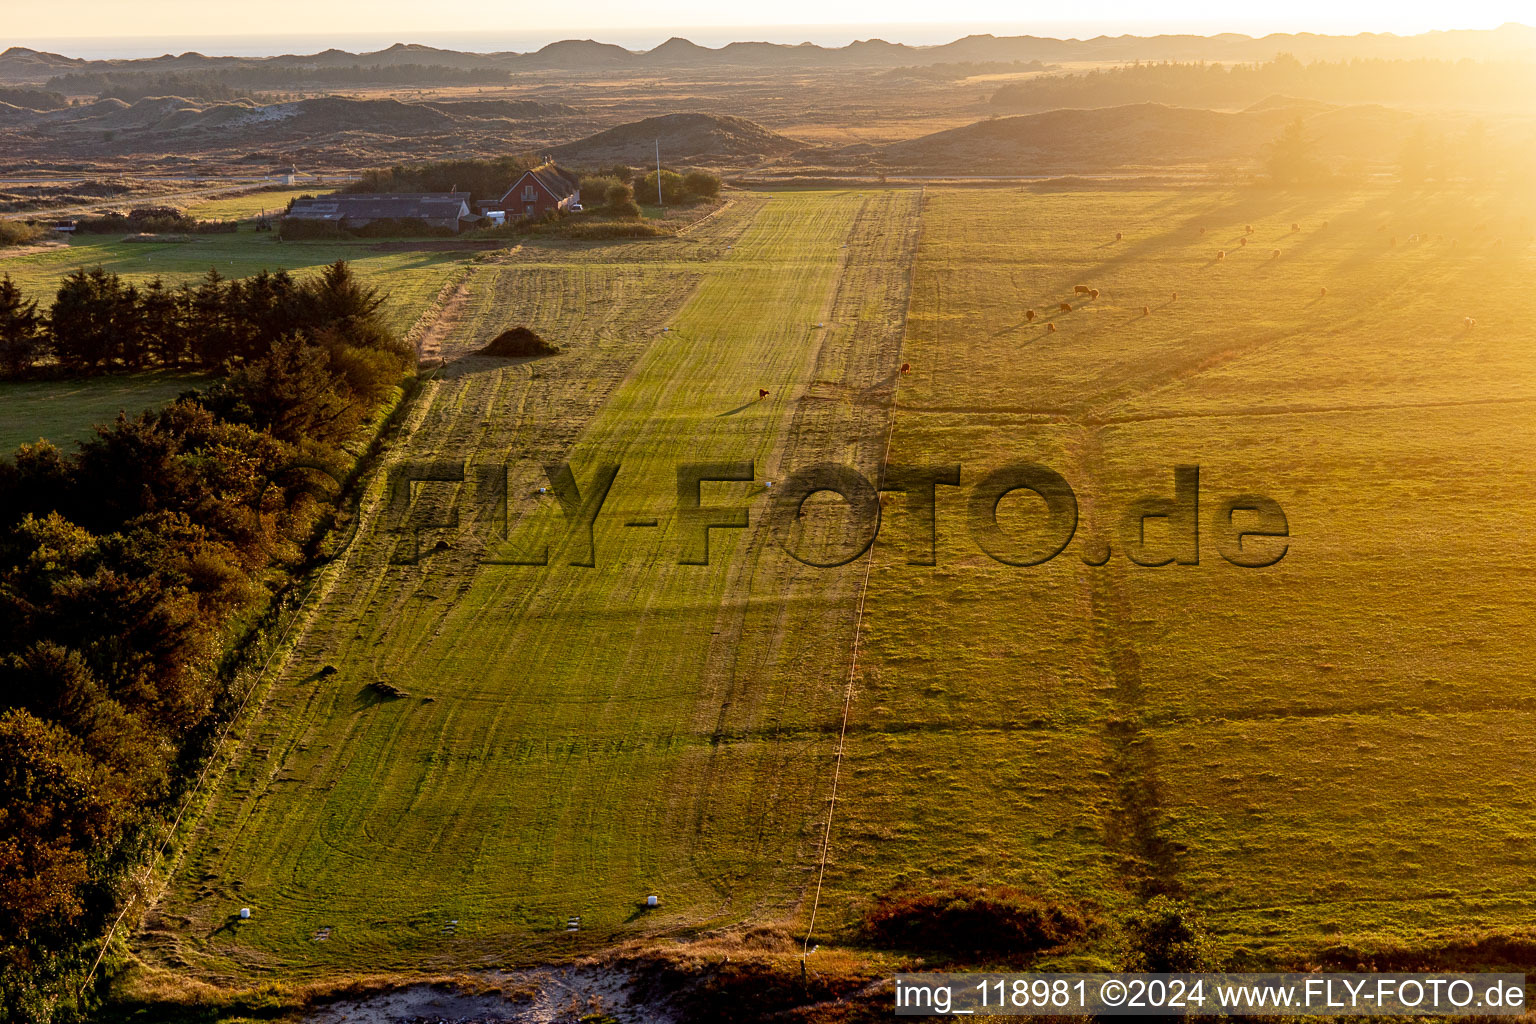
[250, 205]
[64, 411]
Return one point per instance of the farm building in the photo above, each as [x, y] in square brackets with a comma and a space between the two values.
[539, 191]
[437, 209]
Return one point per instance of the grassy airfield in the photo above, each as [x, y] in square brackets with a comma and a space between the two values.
[1334, 748]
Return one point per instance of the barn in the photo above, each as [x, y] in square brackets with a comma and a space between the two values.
[539, 191]
[436, 209]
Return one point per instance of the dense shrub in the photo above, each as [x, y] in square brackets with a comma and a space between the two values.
[122, 570]
[960, 918]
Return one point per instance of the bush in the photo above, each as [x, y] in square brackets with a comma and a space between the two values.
[955, 918]
[702, 184]
[1168, 936]
[18, 232]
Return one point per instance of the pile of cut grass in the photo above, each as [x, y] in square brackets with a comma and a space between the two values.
[519, 342]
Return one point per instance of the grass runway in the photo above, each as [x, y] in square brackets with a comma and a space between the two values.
[1332, 749]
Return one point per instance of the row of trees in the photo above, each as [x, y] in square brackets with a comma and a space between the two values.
[238, 83]
[482, 178]
[490, 179]
[122, 568]
[1468, 82]
[619, 187]
[98, 323]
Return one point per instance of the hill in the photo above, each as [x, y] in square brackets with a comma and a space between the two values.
[694, 136]
[1509, 42]
[1139, 135]
[336, 127]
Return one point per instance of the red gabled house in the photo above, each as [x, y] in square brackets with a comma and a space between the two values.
[539, 191]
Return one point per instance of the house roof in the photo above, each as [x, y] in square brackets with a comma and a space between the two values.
[552, 179]
[383, 206]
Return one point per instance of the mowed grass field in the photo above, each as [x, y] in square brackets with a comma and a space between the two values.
[1335, 748]
[574, 738]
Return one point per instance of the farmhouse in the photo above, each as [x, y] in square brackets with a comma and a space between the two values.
[539, 191]
[437, 209]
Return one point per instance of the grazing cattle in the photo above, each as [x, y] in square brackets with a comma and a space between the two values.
[1029, 314]
[1146, 310]
[1119, 235]
[1050, 328]
[1066, 307]
[906, 367]
[1221, 254]
[762, 392]
[1324, 292]
[1080, 289]
[1093, 293]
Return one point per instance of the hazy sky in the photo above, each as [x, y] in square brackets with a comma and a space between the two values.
[157, 26]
